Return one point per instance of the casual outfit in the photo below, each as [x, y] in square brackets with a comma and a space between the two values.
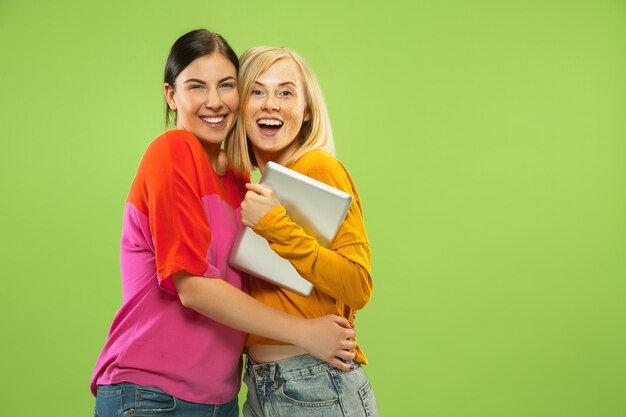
[342, 285]
[180, 216]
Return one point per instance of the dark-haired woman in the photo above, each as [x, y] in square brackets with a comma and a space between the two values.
[175, 344]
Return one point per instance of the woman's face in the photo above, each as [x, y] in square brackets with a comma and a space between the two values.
[205, 98]
[275, 111]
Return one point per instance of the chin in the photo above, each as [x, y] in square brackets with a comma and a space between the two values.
[212, 140]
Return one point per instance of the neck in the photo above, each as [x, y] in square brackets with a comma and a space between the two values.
[215, 156]
[280, 157]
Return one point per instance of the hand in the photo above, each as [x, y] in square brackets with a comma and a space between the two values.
[329, 338]
[258, 200]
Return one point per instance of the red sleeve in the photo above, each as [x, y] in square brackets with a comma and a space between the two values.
[171, 175]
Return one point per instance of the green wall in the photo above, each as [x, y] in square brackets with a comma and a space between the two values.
[487, 139]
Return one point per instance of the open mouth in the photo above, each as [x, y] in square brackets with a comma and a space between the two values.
[269, 125]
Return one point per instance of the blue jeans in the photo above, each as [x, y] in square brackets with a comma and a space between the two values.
[126, 399]
[307, 386]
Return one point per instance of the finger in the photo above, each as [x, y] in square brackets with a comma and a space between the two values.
[343, 322]
[348, 345]
[250, 195]
[339, 364]
[259, 189]
[346, 356]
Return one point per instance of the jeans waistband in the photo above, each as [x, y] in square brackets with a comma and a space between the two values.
[291, 368]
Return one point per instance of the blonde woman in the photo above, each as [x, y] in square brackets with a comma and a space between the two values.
[283, 118]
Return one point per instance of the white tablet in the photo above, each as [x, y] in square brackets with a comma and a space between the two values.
[317, 207]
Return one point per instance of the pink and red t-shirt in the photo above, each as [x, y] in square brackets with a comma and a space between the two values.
[180, 215]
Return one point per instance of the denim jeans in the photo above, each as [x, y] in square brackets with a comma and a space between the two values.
[126, 399]
[307, 386]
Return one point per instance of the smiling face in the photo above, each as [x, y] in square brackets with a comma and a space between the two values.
[205, 99]
[275, 111]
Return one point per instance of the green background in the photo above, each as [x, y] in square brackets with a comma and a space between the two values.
[487, 139]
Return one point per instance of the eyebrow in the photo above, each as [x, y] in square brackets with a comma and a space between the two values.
[281, 84]
[196, 80]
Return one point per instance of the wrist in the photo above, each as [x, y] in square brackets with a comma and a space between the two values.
[270, 216]
[298, 332]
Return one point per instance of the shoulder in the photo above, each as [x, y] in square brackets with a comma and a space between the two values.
[326, 168]
[172, 142]
[317, 162]
[174, 149]
[173, 152]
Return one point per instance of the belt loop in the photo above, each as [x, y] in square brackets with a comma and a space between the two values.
[273, 371]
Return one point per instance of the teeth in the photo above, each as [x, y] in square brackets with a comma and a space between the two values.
[270, 122]
[216, 119]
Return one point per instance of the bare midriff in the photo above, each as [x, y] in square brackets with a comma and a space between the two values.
[273, 353]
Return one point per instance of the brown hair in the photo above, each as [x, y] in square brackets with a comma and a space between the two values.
[186, 49]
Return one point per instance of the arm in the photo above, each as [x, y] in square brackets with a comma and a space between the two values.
[343, 271]
[170, 188]
[324, 337]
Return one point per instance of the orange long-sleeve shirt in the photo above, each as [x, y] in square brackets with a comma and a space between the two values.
[340, 274]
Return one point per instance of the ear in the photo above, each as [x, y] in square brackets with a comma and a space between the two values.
[307, 115]
[168, 91]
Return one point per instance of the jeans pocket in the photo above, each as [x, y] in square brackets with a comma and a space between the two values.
[150, 401]
[108, 401]
[369, 400]
[313, 391]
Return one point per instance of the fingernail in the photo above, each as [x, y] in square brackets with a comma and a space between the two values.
[351, 367]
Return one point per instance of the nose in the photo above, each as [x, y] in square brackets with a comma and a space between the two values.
[270, 103]
[213, 100]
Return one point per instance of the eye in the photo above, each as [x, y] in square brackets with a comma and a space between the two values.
[256, 93]
[227, 84]
[285, 93]
[195, 86]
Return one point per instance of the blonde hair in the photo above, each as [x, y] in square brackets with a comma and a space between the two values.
[315, 134]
